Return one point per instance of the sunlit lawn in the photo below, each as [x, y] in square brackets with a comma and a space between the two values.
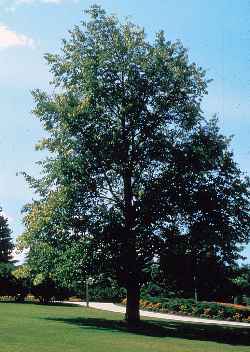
[37, 328]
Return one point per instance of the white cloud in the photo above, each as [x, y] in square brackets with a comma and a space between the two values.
[9, 38]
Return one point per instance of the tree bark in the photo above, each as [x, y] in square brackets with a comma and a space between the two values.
[133, 286]
[132, 315]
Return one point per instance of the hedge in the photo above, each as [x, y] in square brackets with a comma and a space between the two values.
[211, 310]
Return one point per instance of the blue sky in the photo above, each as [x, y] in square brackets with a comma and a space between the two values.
[216, 34]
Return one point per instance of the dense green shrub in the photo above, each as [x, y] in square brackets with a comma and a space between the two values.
[17, 288]
[106, 294]
[201, 309]
[47, 291]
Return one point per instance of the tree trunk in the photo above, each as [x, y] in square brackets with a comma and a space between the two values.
[133, 286]
[133, 303]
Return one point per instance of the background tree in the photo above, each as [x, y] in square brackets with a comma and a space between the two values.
[6, 244]
[133, 162]
[6, 264]
[205, 277]
[242, 284]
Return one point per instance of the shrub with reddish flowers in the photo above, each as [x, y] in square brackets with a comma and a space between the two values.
[209, 310]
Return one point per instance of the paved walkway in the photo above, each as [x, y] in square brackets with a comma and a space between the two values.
[119, 309]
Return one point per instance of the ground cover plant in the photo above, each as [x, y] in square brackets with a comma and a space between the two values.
[211, 310]
[40, 328]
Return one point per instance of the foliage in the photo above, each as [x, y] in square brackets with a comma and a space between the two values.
[212, 277]
[7, 285]
[20, 281]
[6, 245]
[13, 287]
[132, 164]
[104, 289]
[46, 290]
[243, 280]
[189, 307]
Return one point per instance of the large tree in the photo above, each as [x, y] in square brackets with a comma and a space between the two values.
[133, 161]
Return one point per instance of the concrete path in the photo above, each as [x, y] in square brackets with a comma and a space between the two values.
[119, 309]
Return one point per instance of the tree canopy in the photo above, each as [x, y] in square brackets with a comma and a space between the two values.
[133, 162]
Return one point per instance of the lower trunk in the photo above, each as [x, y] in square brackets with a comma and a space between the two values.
[133, 303]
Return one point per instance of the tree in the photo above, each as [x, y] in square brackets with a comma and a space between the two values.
[242, 283]
[133, 161]
[205, 277]
[6, 245]
[6, 263]
[21, 282]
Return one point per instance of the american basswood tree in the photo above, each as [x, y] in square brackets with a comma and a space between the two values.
[133, 162]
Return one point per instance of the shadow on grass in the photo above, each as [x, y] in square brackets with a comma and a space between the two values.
[37, 303]
[15, 302]
[202, 332]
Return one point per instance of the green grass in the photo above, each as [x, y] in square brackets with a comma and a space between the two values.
[37, 328]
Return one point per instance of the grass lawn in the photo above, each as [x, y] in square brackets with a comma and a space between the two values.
[37, 328]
